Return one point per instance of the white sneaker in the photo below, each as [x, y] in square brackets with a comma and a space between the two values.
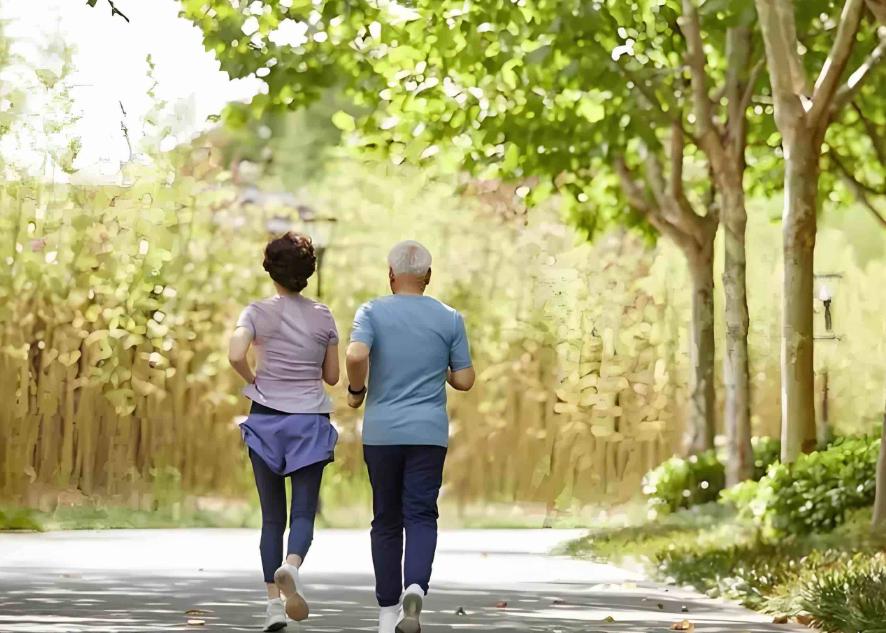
[275, 618]
[286, 579]
[388, 618]
[412, 604]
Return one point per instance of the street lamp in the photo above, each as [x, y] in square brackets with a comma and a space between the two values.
[827, 283]
[320, 229]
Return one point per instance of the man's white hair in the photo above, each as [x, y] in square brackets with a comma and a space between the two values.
[409, 258]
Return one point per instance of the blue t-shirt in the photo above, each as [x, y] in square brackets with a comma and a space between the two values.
[413, 340]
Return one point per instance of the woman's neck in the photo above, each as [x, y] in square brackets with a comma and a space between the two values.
[283, 292]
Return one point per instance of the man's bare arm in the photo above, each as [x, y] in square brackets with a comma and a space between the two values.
[461, 380]
[358, 368]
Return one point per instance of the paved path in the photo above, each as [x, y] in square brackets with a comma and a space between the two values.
[145, 580]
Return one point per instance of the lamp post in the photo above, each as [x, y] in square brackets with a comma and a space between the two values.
[825, 296]
[320, 229]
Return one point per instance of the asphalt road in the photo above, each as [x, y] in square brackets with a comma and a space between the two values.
[146, 580]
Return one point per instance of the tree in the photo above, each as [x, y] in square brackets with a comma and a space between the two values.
[804, 116]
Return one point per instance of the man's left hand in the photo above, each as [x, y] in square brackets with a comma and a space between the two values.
[355, 400]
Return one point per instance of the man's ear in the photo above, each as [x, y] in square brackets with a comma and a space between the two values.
[391, 274]
[428, 278]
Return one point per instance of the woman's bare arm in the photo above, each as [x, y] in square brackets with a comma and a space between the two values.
[241, 339]
[331, 371]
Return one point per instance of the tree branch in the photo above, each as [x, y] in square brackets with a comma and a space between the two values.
[749, 86]
[690, 26]
[858, 190]
[654, 104]
[632, 191]
[848, 90]
[878, 8]
[114, 9]
[638, 200]
[841, 166]
[678, 144]
[786, 72]
[832, 69]
[876, 140]
[675, 209]
[739, 87]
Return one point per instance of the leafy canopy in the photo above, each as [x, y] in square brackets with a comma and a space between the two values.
[545, 92]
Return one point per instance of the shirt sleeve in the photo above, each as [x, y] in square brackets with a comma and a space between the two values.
[362, 331]
[333, 330]
[459, 351]
[247, 319]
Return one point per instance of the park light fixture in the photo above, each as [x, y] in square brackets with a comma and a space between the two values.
[826, 285]
[320, 229]
[824, 295]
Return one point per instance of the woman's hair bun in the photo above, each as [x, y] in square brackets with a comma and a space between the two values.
[290, 260]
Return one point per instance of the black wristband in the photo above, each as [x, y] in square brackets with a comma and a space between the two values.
[356, 393]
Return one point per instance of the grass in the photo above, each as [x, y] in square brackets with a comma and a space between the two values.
[335, 513]
[111, 517]
[837, 579]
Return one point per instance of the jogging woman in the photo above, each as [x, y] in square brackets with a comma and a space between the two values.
[288, 432]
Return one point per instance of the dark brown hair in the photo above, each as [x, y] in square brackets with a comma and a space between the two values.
[290, 260]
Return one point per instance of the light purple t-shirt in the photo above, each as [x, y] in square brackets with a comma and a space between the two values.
[290, 335]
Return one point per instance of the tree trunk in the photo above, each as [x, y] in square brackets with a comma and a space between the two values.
[701, 428]
[879, 522]
[798, 229]
[736, 373]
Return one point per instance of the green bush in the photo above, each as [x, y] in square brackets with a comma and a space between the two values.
[767, 451]
[682, 483]
[849, 599]
[815, 493]
[19, 519]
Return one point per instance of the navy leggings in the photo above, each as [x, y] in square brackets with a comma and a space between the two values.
[405, 485]
[272, 496]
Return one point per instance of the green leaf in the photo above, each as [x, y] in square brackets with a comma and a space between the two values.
[344, 121]
[591, 110]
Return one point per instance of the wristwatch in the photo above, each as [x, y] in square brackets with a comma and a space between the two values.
[357, 393]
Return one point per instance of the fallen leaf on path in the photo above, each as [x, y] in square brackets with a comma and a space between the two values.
[684, 609]
[684, 625]
[609, 619]
[558, 601]
[196, 622]
[660, 605]
[501, 604]
[198, 612]
[460, 611]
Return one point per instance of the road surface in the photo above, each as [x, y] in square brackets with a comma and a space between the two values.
[146, 580]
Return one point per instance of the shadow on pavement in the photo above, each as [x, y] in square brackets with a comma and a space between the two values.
[33, 599]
